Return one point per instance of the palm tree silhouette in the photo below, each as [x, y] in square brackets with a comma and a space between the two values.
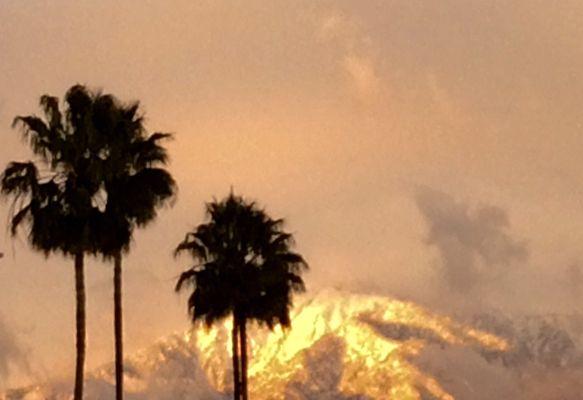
[244, 267]
[57, 197]
[136, 185]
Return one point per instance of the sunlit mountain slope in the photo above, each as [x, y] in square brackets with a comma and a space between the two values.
[341, 346]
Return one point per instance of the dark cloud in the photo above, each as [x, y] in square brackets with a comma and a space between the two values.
[474, 244]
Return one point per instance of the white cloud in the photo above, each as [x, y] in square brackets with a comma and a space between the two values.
[355, 57]
[362, 71]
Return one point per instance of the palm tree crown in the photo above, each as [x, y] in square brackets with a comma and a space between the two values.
[243, 265]
[58, 196]
[135, 182]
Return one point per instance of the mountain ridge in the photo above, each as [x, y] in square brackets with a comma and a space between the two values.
[342, 346]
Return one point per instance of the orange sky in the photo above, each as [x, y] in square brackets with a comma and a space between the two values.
[368, 126]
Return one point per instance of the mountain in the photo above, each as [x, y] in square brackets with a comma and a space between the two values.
[346, 346]
[551, 341]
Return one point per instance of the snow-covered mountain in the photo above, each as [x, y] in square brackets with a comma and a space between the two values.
[551, 341]
[352, 346]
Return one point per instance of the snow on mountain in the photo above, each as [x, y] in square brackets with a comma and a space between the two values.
[352, 346]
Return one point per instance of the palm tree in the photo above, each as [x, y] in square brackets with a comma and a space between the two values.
[244, 267]
[56, 197]
[136, 186]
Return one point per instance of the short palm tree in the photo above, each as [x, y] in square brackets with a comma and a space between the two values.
[136, 185]
[57, 197]
[244, 267]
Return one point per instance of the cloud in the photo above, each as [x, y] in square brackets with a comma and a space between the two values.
[362, 71]
[12, 356]
[356, 58]
[473, 244]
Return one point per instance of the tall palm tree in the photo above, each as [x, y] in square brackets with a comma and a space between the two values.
[136, 185]
[56, 197]
[244, 268]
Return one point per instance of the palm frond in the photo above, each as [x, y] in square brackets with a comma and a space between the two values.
[41, 138]
[148, 152]
[19, 178]
[185, 277]
[192, 245]
[50, 106]
[144, 192]
[19, 217]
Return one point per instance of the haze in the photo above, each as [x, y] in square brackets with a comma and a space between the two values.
[428, 150]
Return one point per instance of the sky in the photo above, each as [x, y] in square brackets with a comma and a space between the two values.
[424, 150]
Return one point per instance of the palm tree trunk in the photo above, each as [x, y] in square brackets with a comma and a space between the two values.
[80, 321]
[243, 338]
[236, 372]
[118, 321]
